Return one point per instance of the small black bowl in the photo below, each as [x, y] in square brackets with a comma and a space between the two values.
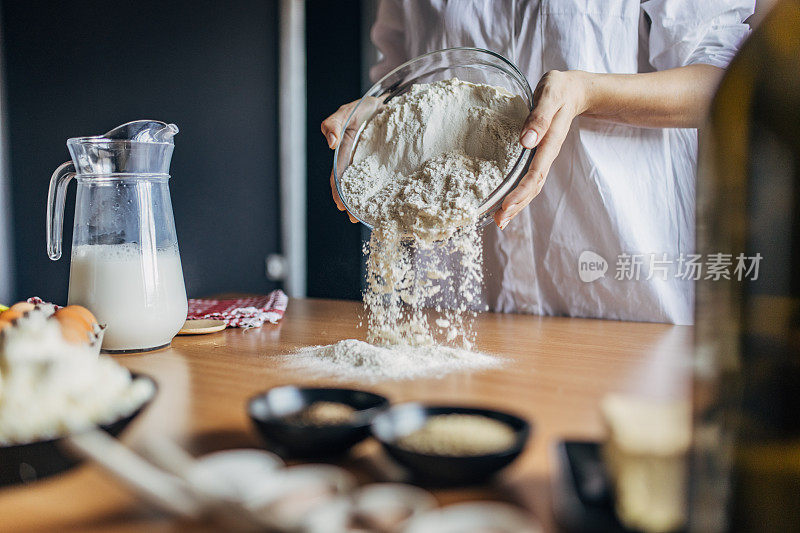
[270, 412]
[25, 463]
[444, 470]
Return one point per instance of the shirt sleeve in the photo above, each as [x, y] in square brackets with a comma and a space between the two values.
[686, 32]
[389, 36]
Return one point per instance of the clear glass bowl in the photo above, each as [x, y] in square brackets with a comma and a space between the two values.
[474, 65]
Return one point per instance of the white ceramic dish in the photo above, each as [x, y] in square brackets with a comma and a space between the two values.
[379, 508]
[286, 499]
[473, 518]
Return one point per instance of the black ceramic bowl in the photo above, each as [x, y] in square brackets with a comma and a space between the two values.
[24, 463]
[271, 413]
[402, 420]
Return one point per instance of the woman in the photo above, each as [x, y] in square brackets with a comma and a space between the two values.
[602, 225]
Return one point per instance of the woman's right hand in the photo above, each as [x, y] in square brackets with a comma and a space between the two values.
[332, 130]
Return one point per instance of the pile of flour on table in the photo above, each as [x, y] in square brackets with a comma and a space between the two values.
[423, 165]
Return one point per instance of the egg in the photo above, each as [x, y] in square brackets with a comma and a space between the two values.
[10, 315]
[22, 307]
[73, 328]
[84, 313]
[76, 313]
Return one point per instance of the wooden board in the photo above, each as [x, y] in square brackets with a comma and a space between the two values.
[202, 327]
[557, 372]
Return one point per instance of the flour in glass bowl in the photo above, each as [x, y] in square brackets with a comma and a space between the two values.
[427, 160]
[423, 165]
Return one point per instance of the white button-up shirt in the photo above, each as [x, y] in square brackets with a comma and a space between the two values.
[618, 197]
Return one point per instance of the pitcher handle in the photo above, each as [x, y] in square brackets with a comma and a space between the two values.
[56, 197]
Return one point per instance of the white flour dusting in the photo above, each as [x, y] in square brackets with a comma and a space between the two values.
[422, 167]
[359, 360]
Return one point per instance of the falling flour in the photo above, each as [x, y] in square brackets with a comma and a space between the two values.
[423, 166]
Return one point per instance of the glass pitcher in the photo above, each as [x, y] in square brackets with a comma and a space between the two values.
[125, 265]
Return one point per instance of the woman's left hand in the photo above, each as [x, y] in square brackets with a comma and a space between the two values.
[559, 97]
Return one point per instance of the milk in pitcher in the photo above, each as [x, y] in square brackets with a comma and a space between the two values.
[140, 296]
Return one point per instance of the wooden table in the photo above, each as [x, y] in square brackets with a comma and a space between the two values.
[557, 372]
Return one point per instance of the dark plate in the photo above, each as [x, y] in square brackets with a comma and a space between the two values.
[24, 463]
[270, 410]
[404, 419]
[583, 498]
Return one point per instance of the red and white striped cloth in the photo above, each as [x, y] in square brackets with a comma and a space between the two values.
[249, 312]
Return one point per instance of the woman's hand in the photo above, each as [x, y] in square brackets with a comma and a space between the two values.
[558, 99]
[674, 98]
[332, 129]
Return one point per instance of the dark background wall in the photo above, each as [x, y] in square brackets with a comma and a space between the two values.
[334, 44]
[82, 67]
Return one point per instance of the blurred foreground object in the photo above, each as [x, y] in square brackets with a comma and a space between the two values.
[646, 457]
[746, 462]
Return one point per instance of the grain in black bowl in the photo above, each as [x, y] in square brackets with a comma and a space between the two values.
[465, 456]
[313, 422]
